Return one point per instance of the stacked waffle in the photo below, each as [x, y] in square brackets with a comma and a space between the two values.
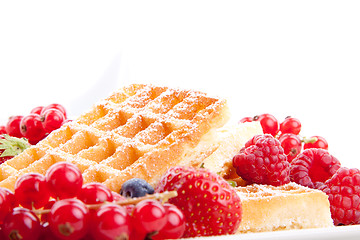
[291, 206]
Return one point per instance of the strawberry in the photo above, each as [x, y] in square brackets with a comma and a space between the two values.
[210, 205]
[11, 146]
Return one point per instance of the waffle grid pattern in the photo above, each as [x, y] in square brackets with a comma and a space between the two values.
[138, 131]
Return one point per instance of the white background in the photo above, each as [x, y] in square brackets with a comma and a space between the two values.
[298, 58]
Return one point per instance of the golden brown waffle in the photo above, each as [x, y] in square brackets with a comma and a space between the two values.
[291, 206]
[138, 131]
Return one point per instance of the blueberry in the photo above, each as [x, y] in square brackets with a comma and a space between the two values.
[136, 187]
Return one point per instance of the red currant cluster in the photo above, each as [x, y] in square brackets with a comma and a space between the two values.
[287, 132]
[58, 205]
[36, 125]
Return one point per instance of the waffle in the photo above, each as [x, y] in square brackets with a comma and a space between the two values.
[291, 206]
[138, 131]
[225, 143]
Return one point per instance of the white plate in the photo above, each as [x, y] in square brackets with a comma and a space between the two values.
[343, 233]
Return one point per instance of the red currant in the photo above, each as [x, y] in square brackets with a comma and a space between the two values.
[21, 223]
[92, 193]
[10, 196]
[55, 106]
[46, 233]
[117, 197]
[111, 222]
[64, 180]
[290, 125]
[316, 142]
[45, 216]
[175, 225]
[13, 126]
[37, 110]
[246, 119]
[5, 204]
[150, 216]
[69, 219]
[31, 190]
[31, 128]
[52, 119]
[136, 235]
[67, 121]
[268, 123]
[291, 144]
[2, 130]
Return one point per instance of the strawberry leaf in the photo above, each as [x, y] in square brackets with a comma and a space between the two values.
[12, 146]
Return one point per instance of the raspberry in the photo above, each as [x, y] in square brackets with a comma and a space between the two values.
[313, 165]
[210, 205]
[343, 189]
[263, 161]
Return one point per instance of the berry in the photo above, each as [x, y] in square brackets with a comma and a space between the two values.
[54, 106]
[64, 180]
[246, 119]
[291, 144]
[37, 110]
[11, 146]
[136, 235]
[269, 123]
[316, 142]
[111, 222]
[2, 130]
[46, 233]
[175, 225]
[52, 119]
[31, 128]
[263, 161]
[44, 217]
[69, 219]
[136, 187]
[117, 197]
[31, 190]
[150, 216]
[13, 126]
[66, 121]
[92, 193]
[290, 125]
[10, 196]
[21, 223]
[343, 189]
[6, 204]
[313, 165]
[203, 193]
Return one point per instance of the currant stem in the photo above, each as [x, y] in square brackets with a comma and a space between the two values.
[164, 196]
